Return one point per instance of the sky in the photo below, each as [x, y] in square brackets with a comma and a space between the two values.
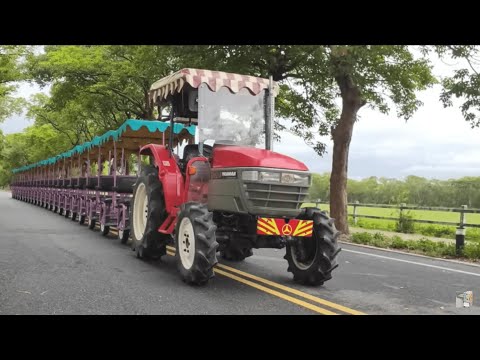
[435, 143]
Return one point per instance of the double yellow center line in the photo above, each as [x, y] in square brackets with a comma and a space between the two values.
[301, 298]
[230, 272]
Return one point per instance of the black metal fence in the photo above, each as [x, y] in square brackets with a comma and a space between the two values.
[461, 210]
[461, 225]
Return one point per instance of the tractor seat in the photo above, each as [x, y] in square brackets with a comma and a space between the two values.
[189, 152]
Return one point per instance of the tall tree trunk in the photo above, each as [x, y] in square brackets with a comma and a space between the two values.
[342, 135]
[148, 106]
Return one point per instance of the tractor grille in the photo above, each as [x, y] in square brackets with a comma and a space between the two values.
[275, 196]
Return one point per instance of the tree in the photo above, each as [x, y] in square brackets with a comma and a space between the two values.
[96, 88]
[9, 74]
[323, 89]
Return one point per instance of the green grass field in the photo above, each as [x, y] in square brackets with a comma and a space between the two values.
[443, 231]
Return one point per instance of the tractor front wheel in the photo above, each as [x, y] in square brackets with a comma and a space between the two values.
[195, 242]
[312, 259]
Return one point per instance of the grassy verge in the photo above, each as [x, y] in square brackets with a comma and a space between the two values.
[424, 246]
[440, 231]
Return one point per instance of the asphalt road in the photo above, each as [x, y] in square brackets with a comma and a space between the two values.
[51, 265]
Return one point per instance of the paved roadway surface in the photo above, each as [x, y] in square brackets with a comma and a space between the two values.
[51, 265]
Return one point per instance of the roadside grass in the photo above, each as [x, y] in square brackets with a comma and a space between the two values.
[427, 247]
[440, 231]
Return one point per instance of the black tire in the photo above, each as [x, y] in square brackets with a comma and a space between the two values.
[321, 250]
[104, 229]
[200, 220]
[81, 219]
[123, 235]
[233, 253]
[91, 223]
[150, 244]
[74, 216]
[67, 214]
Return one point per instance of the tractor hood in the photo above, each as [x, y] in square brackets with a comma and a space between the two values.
[241, 156]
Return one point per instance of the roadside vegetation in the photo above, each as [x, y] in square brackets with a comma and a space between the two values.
[427, 247]
[413, 190]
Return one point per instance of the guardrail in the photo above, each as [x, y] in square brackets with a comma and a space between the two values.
[461, 225]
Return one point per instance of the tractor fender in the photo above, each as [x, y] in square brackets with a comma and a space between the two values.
[169, 175]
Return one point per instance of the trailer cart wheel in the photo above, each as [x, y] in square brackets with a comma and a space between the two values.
[123, 235]
[91, 223]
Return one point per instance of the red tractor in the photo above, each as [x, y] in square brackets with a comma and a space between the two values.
[228, 192]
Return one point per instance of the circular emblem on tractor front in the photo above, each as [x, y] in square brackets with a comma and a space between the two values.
[286, 229]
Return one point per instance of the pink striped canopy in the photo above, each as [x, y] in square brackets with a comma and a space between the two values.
[214, 79]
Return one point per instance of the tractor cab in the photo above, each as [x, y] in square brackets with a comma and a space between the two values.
[228, 109]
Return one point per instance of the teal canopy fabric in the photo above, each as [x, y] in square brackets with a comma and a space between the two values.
[135, 125]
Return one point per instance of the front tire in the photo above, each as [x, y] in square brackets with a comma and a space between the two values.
[147, 213]
[312, 259]
[195, 243]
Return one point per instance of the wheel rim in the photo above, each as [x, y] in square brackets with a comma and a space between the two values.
[140, 211]
[311, 254]
[186, 243]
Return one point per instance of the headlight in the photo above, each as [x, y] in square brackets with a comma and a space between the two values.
[250, 175]
[267, 176]
[289, 178]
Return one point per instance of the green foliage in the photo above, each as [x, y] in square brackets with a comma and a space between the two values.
[312, 76]
[10, 56]
[95, 88]
[423, 246]
[405, 223]
[413, 190]
[441, 231]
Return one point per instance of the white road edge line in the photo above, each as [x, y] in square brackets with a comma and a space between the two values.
[412, 262]
[459, 262]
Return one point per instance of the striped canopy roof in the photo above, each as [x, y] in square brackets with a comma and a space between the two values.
[128, 128]
[214, 79]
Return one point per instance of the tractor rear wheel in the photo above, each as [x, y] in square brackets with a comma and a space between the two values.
[147, 213]
[312, 259]
[195, 243]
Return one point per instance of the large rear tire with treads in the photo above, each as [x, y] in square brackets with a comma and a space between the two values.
[147, 213]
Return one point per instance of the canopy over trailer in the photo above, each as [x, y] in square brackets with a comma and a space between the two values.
[130, 136]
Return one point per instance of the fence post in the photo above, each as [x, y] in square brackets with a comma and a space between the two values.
[355, 212]
[461, 232]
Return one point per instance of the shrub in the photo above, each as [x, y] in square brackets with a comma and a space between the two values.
[405, 224]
